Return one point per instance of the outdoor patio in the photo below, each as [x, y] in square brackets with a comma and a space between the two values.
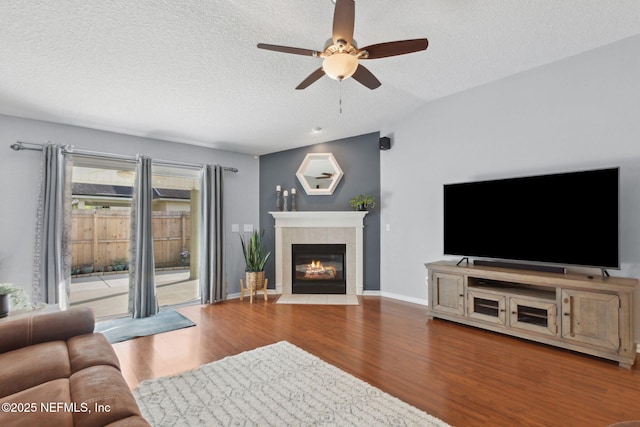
[108, 294]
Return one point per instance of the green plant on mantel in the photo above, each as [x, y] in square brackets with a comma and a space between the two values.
[362, 203]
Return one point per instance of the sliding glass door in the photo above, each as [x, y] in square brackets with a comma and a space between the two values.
[101, 226]
[176, 195]
[100, 229]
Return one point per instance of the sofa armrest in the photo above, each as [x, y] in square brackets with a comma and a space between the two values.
[42, 327]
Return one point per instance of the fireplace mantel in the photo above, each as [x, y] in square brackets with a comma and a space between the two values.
[319, 227]
[320, 218]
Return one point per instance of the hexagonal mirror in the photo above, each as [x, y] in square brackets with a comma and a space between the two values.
[319, 174]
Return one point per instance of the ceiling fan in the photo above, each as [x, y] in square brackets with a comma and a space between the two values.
[341, 55]
[325, 175]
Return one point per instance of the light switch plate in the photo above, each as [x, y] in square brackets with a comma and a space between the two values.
[248, 228]
[235, 228]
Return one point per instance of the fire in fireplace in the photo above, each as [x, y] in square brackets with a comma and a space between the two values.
[318, 269]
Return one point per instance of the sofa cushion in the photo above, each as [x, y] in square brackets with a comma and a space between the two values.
[48, 399]
[29, 366]
[67, 324]
[105, 391]
[90, 350]
[42, 327]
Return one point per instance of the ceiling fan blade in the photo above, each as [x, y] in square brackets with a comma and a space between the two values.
[383, 50]
[311, 79]
[343, 21]
[325, 175]
[286, 49]
[365, 77]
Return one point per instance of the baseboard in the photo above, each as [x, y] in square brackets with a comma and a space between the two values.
[370, 293]
[404, 298]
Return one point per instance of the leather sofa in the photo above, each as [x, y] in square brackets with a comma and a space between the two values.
[55, 371]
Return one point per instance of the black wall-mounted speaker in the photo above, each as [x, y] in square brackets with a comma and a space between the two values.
[385, 143]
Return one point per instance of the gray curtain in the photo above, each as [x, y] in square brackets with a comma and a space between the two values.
[143, 301]
[52, 251]
[212, 286]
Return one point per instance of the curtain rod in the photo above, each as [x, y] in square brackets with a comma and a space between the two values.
[32, 146]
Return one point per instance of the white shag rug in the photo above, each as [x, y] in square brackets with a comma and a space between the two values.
[275, 385]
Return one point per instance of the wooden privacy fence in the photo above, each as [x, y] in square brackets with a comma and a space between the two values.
[100, 238]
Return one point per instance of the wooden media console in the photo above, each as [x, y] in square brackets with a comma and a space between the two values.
[582, 313]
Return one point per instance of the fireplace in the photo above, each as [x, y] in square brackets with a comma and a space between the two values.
[320, 227]
[318, 269]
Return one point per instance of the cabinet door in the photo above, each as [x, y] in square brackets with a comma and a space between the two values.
[532, 315]
[591, 318]
[486, 306]
[447, 293]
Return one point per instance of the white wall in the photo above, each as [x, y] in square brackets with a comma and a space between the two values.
[20, 174]
[579, 113]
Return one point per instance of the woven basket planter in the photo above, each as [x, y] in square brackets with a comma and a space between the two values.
[254, 279]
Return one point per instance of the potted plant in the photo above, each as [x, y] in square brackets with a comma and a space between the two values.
[4, 301]
[185, 257]
[17, 296]
[119, 264]
[255, 258]
[362, 203]
[86, 269]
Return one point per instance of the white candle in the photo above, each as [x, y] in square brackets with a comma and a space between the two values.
[293, 191]
[286, 193]
[278, 188]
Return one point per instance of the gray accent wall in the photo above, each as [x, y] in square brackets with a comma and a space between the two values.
[359, 159]
[20, 175]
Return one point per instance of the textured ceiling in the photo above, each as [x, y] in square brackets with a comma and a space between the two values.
[189, 71]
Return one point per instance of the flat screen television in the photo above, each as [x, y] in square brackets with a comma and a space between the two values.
[565, 218]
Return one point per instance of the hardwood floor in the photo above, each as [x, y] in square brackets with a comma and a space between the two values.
[462, 375]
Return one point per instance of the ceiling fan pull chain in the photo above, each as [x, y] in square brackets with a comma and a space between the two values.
[340, 103]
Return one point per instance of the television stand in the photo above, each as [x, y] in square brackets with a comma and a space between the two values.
[577, 312]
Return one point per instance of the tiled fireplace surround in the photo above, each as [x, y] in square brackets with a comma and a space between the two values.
[342, 227]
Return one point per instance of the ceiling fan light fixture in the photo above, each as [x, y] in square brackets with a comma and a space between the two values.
[340, 66]
[341, 53]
